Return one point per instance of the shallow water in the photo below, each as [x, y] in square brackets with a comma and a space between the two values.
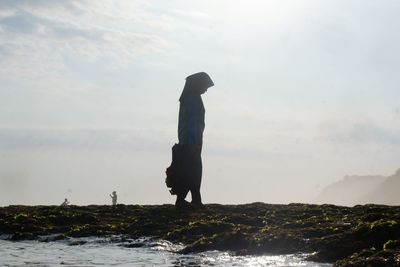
[102, 252]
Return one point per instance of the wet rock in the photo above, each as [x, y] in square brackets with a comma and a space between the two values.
[77, 243]
[133, 245]
[391, 244]
[371, 257]
[52, 238]
[359, 236]
[22, 236]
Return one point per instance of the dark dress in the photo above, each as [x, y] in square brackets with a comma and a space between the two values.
[190, 134]
[185, 172]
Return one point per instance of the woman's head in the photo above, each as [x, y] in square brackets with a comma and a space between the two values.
[196, 84]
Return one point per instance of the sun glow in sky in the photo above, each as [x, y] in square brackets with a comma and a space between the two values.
[306, 91]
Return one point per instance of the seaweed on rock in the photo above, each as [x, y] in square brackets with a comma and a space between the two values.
[364, 235]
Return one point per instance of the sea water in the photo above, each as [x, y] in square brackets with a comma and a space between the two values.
[87, 252]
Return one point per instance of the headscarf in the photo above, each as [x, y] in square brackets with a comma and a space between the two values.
[195, 83]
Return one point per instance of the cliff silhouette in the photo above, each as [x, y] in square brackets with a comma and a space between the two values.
[359, 189]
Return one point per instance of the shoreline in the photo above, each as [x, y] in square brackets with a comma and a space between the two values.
[347, 236]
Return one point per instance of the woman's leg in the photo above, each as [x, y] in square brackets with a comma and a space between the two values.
[196, 181]
[181, 195]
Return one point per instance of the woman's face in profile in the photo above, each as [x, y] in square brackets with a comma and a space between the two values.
[202, 91]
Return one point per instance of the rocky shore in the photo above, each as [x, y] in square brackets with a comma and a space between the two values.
[367, 235]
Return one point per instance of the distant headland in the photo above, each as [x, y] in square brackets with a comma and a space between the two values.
[362, 189]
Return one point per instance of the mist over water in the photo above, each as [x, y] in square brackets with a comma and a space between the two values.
[85, 166]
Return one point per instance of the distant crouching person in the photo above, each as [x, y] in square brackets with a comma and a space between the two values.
[65, 203]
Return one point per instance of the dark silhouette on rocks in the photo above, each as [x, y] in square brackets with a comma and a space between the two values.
[185, 172]
[114, 198]
[65, 203]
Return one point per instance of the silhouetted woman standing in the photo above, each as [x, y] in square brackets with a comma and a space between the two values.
[190, 134]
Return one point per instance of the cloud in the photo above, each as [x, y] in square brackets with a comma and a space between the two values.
[42, 36]
[82, 139]
[21, 22]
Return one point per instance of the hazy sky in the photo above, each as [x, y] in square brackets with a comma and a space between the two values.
[305, 93]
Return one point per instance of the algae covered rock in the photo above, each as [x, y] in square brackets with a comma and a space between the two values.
[364, 235]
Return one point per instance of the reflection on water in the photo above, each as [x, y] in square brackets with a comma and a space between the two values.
[101, 252]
